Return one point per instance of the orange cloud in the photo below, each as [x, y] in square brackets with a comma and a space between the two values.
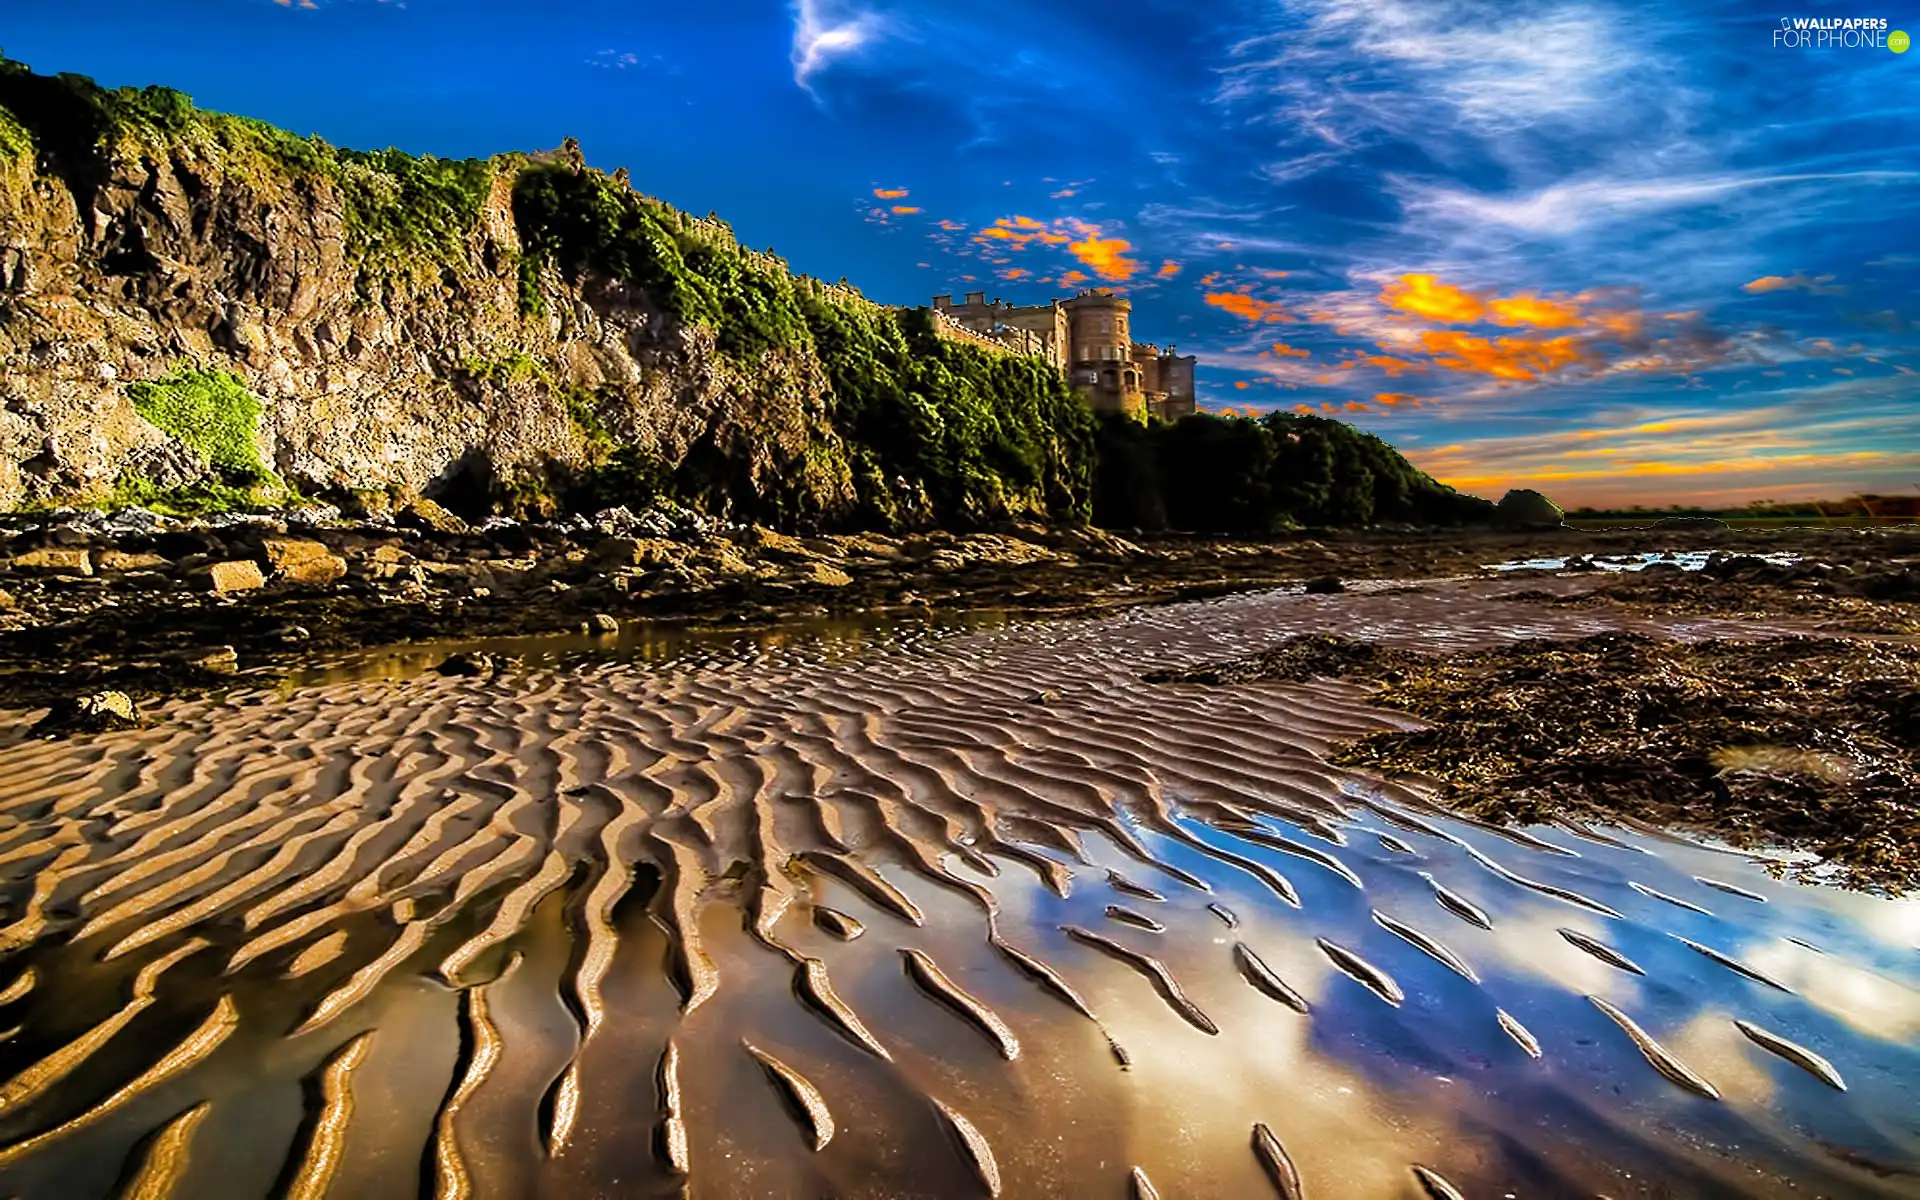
[1394, 367]
[1240, 384]
[1248, 307]
[1015, 273]
[1017, 231]
[904, 209]
[1524, 309]
[1769, 283]
[1395, 399]
[889, 193]
[1063, 193]
[1074, 278]
[1627, 324]
[1286, 351]
[1425, 296]
[1512, 358]
[952, 226]
[1104, 256]
[1355, 406]
[1168, 269]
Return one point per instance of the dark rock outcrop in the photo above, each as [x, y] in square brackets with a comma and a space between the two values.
[1524, 508]
[98, 712]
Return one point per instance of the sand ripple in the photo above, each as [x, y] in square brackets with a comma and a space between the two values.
[542, 934]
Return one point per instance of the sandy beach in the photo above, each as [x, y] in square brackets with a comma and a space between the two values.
[919, 912]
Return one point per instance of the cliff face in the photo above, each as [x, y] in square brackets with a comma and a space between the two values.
[403, 331]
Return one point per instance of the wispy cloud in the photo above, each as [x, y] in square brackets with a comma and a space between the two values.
[824, 31]
[1565, 208]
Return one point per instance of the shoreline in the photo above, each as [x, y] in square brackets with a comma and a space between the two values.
[179, 612]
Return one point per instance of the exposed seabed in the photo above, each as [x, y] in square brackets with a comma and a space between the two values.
[945, 914]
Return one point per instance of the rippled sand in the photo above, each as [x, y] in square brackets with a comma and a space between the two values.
[962, 916]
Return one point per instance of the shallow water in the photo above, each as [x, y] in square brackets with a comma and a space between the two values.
[380, 937]
[1686, 560]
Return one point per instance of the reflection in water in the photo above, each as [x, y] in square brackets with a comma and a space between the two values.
[1686, 560]
[652, 642]
[907, 912]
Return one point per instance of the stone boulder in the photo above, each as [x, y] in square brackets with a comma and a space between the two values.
[1325, 585]
[99, 712]
[122, 561]
[619, 552]
[221, 660]
[770, 543]
[235, 575]
[54, 560]
[820, 574]
[469, 663]
[424, 514]
[297, 560]
[1524, 508]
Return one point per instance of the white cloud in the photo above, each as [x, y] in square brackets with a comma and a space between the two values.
[1569, 207]
[1348, 70]
[823, 32]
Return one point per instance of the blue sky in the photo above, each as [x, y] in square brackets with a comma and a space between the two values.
[1622, 252]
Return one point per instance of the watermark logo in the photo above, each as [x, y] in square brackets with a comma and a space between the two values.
[1838, 33]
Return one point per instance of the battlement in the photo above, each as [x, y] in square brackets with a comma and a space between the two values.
[1001, 340]
[1088, 338]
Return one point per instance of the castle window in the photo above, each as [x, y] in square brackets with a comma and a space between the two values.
[1106, 324]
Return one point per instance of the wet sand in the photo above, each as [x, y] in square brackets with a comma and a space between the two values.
[962, 915]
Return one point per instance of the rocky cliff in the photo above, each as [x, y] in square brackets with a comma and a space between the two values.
[197, 309]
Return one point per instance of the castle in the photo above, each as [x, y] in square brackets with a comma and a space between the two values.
[1088, 338]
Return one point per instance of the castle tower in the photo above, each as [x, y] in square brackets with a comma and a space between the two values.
[1101, 362]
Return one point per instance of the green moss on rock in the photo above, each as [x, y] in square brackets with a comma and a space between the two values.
[210, 412]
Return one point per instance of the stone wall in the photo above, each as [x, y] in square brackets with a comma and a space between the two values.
[1013, 341]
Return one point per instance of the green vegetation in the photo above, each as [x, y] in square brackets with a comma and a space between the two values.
[985, 435]
[692, 270]
[402, 211]
[210, 412]
[14, 138]
[197, 499]
[1241, 475]
[1865, 507]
